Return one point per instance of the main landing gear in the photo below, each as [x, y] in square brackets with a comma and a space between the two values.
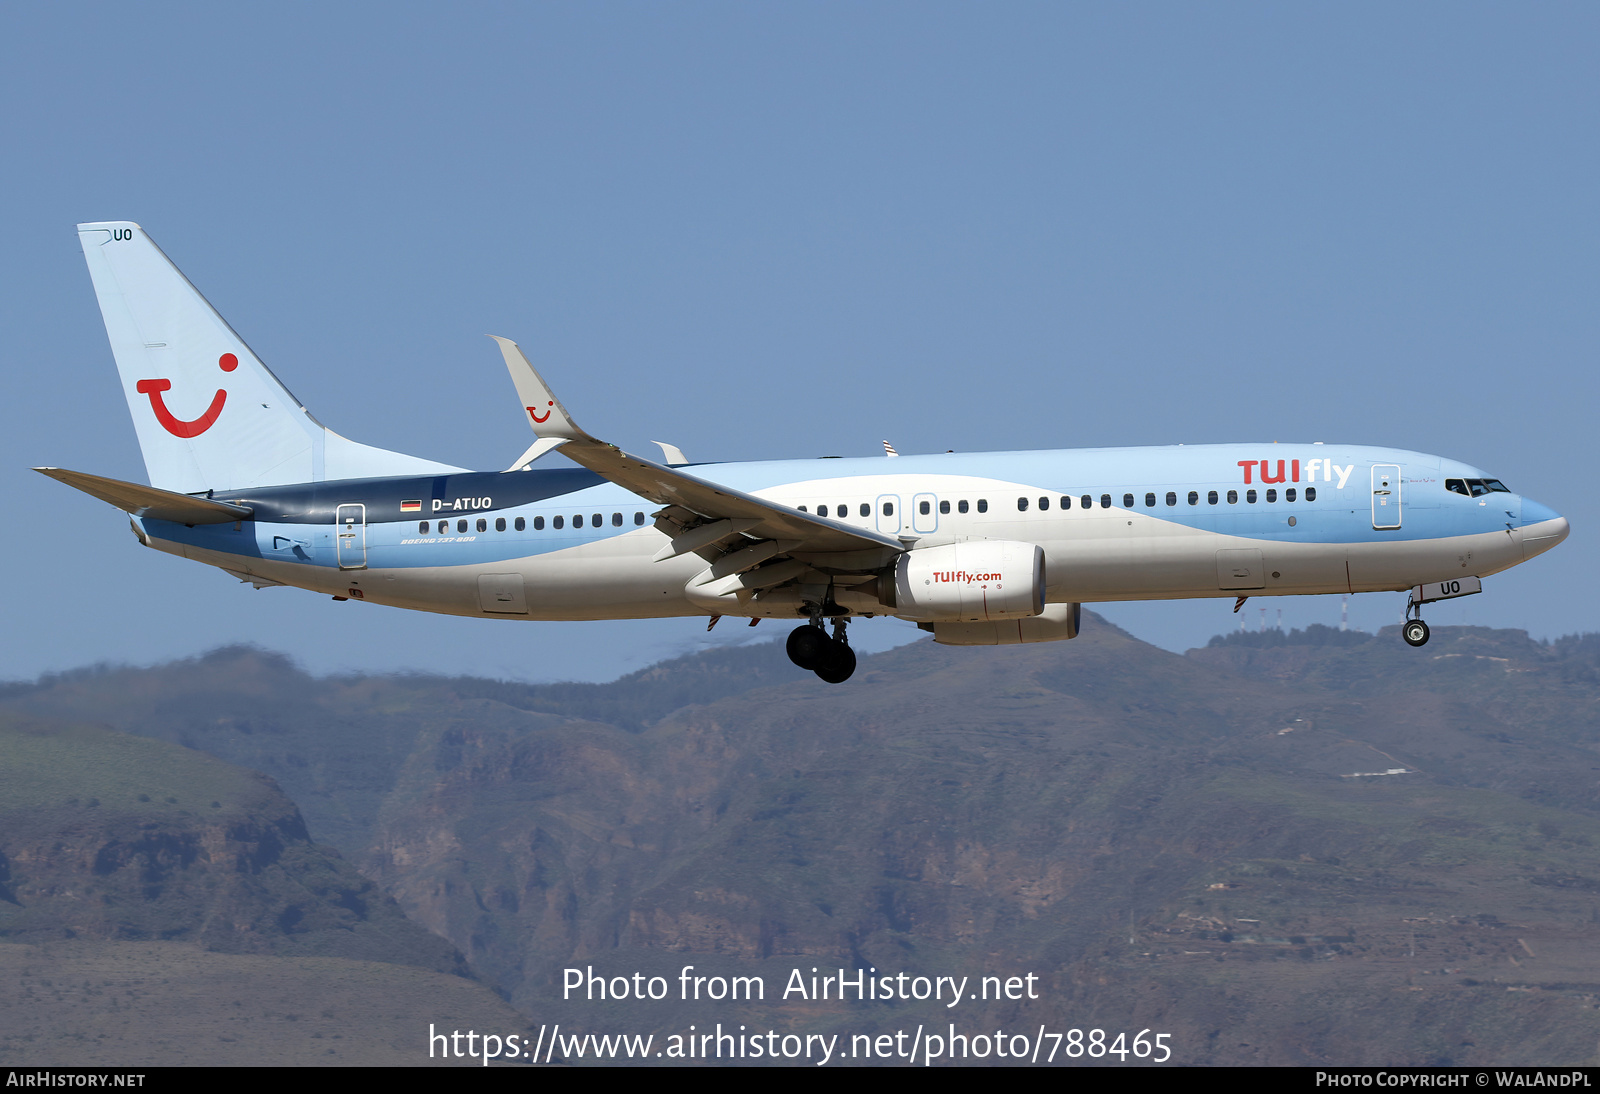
[831, 659]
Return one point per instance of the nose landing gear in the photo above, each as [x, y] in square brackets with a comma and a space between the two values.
[1414, 630]
[831, 659]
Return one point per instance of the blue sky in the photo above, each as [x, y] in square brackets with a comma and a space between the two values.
[765, 231]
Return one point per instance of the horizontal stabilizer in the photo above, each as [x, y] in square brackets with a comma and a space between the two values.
[538, 448]
[148, 501]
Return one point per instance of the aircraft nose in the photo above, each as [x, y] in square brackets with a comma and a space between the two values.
[1542, 528]
[1534, 513]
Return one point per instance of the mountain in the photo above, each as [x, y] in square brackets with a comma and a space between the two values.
[1277, 849]
[158, 905]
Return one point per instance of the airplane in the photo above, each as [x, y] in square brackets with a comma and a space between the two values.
[981, 549]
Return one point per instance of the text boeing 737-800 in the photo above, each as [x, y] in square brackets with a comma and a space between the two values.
[980, 549]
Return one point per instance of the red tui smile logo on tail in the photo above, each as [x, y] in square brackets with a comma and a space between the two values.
[177, 426]
[535, 416]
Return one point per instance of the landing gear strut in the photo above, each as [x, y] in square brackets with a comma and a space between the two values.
[831, 659]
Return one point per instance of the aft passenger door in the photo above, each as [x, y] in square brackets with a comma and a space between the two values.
[1385, 495]
[350, 537]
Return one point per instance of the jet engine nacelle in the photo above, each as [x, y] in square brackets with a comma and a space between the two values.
[975, 581]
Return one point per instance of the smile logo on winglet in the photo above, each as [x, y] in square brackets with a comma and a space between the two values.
[533, 414]
[177, 426]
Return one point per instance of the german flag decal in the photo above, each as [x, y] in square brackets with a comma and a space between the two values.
[411, 506]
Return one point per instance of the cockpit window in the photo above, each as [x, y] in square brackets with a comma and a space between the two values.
[1475, 488]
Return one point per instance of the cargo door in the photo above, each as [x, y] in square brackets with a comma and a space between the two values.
[1240, 569]
[502, 594]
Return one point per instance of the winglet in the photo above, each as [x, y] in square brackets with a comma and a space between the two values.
[672, 454]
[545, 413]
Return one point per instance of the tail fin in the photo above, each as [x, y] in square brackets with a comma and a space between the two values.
[209, 414]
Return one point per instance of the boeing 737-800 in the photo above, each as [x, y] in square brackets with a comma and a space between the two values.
[980, 549]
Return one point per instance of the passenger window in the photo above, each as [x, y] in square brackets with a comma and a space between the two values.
[1311, 493]
[1022, 505]
[888, 508]
[1066, 502]
[521, 524]
[577, 520]
[866, 509]
[1149, 501]
[1288, 495]
[1233, 497]
[616, 520]
[1194, 497]
[802, 508]
[1127, 501]
[638, 519]
[944, 507]
[538, 524]
[822, 510]
[423, 527]
[1044, 503]
[461, 526]
[596, 521]
[1172, 499]
[961, 506]
[983, 505]
[556, 523]
[1105, 501]
[1087, 501]
[924, 507]
[499, 524]
[1272, 495]
[1211, 498]
[483, 525]
[444, 526]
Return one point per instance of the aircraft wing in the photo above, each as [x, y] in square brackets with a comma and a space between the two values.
[703, 502]
[149, 501]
